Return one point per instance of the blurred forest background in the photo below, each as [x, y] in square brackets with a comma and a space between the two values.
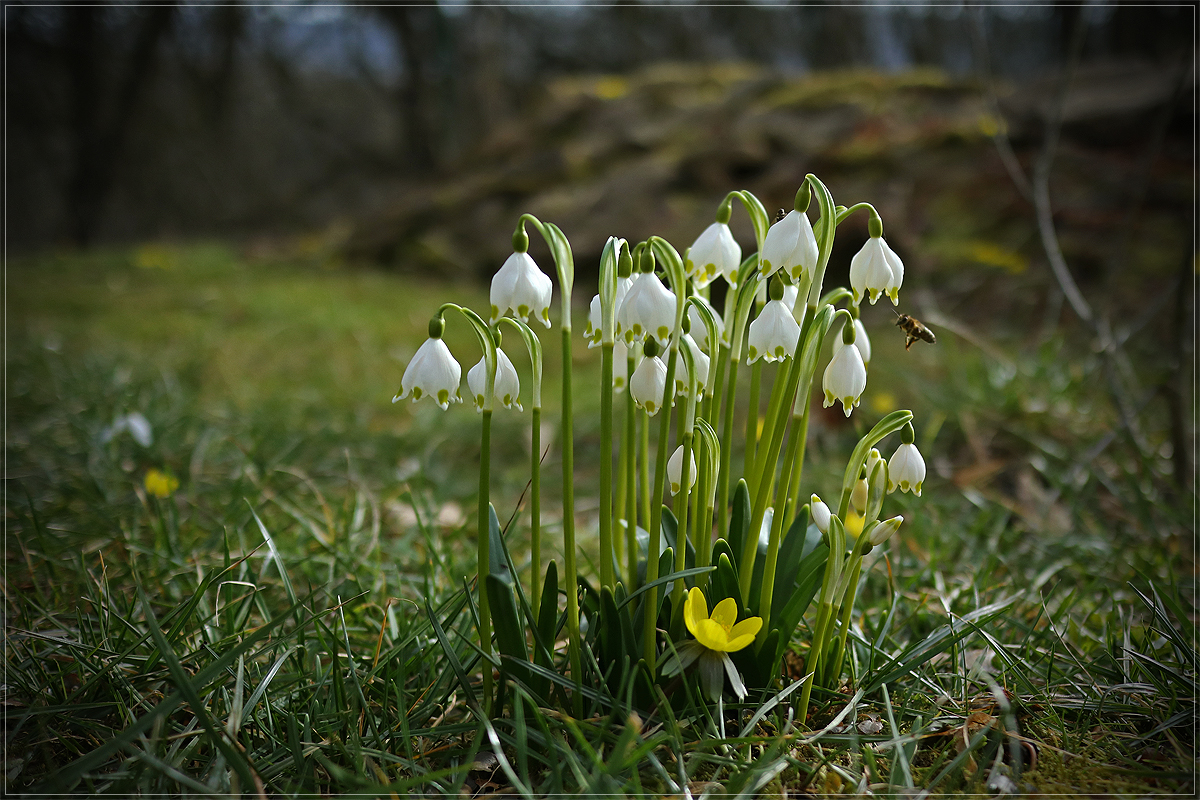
[1034, 164]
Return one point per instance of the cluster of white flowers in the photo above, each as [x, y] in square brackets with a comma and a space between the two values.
[645, 310]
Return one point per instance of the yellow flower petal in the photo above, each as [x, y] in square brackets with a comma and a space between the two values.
[749, 626]
[711, 635]
[854, 524]
[738, 642]
[695, 609]
[725, 614]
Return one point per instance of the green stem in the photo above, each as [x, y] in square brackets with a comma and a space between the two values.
[773, 417]
[799, 424]
[765, 489]
[650, 626]
[833, 668]
[814, 658]
[767, 593]
[726, 449]
[535, 506]
[762, 496]
[607, 555]
[483, 555]
[752, 420]
[644, 466]
[568, 490]
[629, 456]
[681, 514]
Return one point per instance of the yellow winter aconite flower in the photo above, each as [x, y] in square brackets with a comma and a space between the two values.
[718, 632]
[160, 484]
[716, 637]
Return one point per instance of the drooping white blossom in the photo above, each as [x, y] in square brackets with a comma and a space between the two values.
[773, 335]
[681, 370]
[432, 372]
[906, 470]
[594, 332]
[521, 288]
[876, 270]
[715, 252]
[507, 389]
[647, 310]
[845, 378]
[862, 342]
[791, 246]
[648, 383]
[621, 366]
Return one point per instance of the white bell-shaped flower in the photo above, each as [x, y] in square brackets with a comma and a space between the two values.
[715, 252]
[820, 513]
[675, 470]
[647, 310]
[845, 378]
[433, 372]
[884, 531]
[791, 246]
[701, 331]
[521, 288]
[876, 270]
[507, 389]
[620, 366]
[773, 335]
[779, 244]
[681, 370]
[594, 331]
[648, 383]
[906, 470]
[862, 342]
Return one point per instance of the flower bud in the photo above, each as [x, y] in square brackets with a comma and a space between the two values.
[885, 530]
[820, 513]
[675, 470]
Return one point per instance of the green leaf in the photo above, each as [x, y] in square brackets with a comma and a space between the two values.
[801, 539]
[668, 578]
[510, 634]
[739, 521]
[937, 642]
[547, 624]
[497, 550]
[725, 584]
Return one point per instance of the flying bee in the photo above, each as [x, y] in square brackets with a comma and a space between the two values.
[780, 214]
[913, 329]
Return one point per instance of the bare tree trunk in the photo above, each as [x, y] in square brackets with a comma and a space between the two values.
[412, 33]
[96, 146]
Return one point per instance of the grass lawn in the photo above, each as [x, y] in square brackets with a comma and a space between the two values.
[260, 628]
